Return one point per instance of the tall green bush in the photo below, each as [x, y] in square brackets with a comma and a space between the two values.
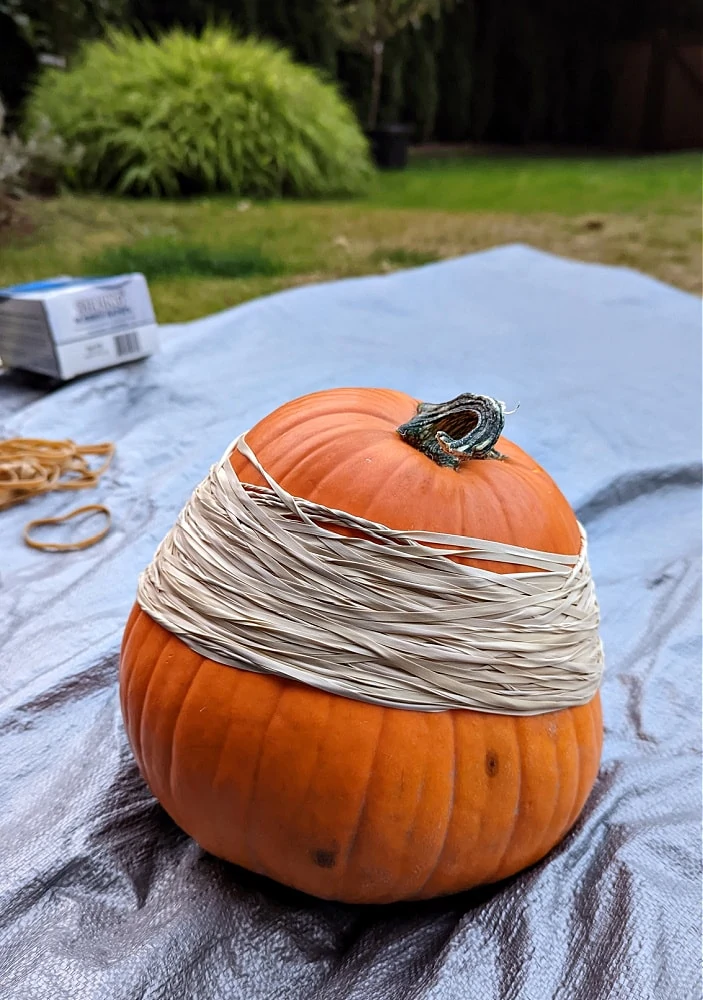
[186, 114]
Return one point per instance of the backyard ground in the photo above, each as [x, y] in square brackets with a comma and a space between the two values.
[206, 254]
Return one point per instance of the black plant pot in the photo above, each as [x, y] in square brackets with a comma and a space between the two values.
[389, 145]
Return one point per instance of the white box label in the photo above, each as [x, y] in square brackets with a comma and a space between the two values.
[70, 326]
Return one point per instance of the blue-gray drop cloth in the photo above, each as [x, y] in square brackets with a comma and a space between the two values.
[101, 896]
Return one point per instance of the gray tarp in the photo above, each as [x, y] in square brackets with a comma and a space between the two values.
[102, 897]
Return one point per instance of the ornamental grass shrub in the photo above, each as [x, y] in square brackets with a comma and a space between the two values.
[214, 113]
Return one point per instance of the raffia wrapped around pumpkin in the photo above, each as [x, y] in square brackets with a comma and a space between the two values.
[365, 661]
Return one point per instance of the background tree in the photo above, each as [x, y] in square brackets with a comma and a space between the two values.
[368, 25]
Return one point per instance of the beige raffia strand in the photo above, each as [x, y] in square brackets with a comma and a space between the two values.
[31, 466]
[254, 578]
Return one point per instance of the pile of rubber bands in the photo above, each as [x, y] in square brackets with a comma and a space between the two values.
[32, 466]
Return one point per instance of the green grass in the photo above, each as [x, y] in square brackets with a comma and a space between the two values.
[207, 254]
[537, 184]
[168, 258]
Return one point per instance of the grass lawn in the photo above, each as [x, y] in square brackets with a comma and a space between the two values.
[204, 255]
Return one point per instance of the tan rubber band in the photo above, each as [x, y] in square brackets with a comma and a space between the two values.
[30, 467]
[83, 543]
[255, 578]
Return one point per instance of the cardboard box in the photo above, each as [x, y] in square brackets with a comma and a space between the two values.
[68, 326]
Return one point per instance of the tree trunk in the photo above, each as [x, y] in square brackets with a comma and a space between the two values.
[376, 84]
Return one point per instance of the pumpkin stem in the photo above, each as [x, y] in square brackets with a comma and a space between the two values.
[451, 433]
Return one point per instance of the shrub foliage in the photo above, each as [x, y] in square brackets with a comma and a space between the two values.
[184, 114]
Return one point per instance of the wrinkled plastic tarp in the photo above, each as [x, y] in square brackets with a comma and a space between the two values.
[101, 896]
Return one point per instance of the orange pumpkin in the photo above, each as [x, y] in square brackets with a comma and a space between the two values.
[340, 798]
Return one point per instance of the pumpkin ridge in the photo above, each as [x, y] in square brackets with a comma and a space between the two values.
[298, 806]
[482, 810]
[583, 765]
[390, 402]
[358, 401]
[505, 511]
[495, 873]
[577, 775]
[225, 737]
[318, 749]
[578, 802]
[508, 530]
[452, 799]
[569, 774]
[484, 803]
[145, 697]
[302, 453]
[481, 495]
[380, 442]
[131, 622]
[127, 663]
[546, 842]
[336, 472]
[412, 821]
[145, 663]
[141, 622]
[179, 713]
[567, 524]
[460, 516]
[364, 800]
[372, 500]
[345, 403]
[337, 422]
[246, 816]
[151, 669]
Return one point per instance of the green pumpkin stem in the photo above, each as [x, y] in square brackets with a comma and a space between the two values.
[454, 432]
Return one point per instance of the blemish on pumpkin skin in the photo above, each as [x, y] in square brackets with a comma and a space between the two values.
[491, 763]
[325, 859]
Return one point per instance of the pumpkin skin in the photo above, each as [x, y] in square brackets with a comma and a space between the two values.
[340, 798]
